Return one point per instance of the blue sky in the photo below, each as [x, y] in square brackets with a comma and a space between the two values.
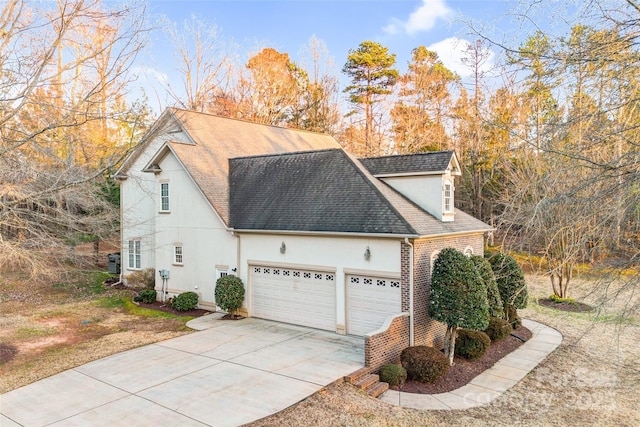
[287, 26]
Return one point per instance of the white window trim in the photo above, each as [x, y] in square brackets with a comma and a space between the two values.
[134, 254]
[448, 209]
[178, 254]
[166, 197]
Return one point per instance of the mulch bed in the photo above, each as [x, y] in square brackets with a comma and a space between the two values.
[574, 307]
[160, 306]
[463, 370]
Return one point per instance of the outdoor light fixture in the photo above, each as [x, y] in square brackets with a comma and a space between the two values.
[367, 254]
[283, 248]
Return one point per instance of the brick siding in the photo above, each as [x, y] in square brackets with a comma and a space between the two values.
[426, 330]
[385, 347]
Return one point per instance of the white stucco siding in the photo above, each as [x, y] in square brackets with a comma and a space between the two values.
[137, 207]
[425, 191]
[342, 255]
[192, 224]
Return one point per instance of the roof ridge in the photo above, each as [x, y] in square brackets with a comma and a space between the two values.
[407, 154]
[175, 109]
[293, 153]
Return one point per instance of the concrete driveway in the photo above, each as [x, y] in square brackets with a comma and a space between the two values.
[228, 374]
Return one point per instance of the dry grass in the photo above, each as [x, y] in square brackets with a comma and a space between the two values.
[592, 379]
[46, 328]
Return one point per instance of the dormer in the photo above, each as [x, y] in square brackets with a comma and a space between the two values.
[427, 179]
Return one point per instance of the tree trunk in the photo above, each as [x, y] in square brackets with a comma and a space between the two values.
[450, 343]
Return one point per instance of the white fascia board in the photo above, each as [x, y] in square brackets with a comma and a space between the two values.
[392, 175]
[326, 233]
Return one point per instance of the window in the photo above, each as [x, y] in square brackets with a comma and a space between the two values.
[134, 255]
[164, 197]
[468, 251]
[434, 256]
[177, 255]
[448, 197]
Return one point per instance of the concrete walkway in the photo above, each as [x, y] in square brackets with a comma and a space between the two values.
[230, 373]
[491, 383]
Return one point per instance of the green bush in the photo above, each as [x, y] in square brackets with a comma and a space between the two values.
[496, 308]
[185, 301]
[513, 318]
[229, 293]
[471, 344]
[393, 374]
[559, 300]
[148, 296]
[424, 364]
[498, 329]
[510, 280]
[457, 296]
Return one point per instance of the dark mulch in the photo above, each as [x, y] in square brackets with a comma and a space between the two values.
[160, 306]
[574, 307]
[463, 370]
[232, 317]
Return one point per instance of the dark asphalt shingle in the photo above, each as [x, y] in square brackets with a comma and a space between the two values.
[309, 191]
[435, 161]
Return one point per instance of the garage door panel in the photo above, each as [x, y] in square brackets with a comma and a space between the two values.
[370, 301]
[302, 297]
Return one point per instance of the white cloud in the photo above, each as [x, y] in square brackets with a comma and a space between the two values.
[452, 50]
[423, 18]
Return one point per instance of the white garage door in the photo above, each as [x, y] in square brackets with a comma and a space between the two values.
[301, 297]
[370, 300]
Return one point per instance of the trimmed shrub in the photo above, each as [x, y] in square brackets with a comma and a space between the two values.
[424, 364]
[510, 280]
[393, 374]
[457, 296]
[148, 296]
[496, 308]
[498, 329]
[229, 293]
[142, 278]
[185, 301]
[472, 344]
[513, 318]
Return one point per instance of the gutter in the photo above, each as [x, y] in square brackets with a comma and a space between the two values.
[325, 233]
[411, 326]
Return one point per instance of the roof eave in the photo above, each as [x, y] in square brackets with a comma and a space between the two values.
[325, 233]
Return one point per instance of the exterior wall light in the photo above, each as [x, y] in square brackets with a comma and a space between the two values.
[367, 254]
[283, 248]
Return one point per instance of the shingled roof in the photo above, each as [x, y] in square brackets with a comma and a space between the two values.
[326, 191]
[311, 191]
[216, 139]
[432, 162]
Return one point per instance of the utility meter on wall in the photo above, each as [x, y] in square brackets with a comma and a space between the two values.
[164, 274]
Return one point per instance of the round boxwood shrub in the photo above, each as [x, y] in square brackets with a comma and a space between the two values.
[424, 364]
[185, 301]
[472, 344]
[498, 329]
[229, 293]
[393, 374]
[148, 296]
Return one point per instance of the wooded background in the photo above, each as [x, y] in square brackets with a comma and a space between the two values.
[550, 154]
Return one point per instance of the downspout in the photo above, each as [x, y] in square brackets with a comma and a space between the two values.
[411, 327]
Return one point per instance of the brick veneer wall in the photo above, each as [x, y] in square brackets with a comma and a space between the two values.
[385, 346]
[426, 330]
